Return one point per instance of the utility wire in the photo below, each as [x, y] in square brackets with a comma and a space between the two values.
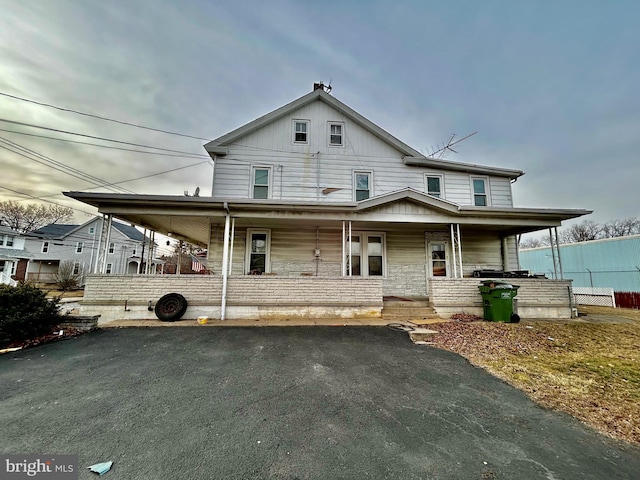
[98, 138]
[193, 155]
[101, 118]
[48, 201]
[61, 167]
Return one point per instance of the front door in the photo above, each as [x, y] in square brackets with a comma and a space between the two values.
[438, 258]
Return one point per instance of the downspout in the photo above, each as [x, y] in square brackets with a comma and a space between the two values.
[225, 262]
[350, 260]
[233, 233]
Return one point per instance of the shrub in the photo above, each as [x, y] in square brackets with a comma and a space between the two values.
[69, 276]
[25, 312]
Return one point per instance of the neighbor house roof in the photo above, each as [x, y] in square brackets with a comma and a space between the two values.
[59, 231]
[220, 146]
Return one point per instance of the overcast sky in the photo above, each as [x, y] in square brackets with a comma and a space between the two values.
[550, 86]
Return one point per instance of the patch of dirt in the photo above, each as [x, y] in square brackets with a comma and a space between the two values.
[53, 336]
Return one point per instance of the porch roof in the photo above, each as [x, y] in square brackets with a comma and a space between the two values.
[191, 217]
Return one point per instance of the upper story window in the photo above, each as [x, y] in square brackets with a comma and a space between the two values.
[301, 131]
[134, 252]
[76, 268]
[45, 247]
[6, 240]
[79, 247]
[112, 247]
[480, 197]
[336, 137]
[362, 185]
[109, 268]
[260, 181]
[92, 230]
[434, 185]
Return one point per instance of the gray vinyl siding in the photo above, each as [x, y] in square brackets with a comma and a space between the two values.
[480, 251]
[302, 171]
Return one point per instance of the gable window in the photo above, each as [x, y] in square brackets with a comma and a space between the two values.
[362, 185]
[112, 247]
[109, 268]
[134, 252]
[45, 247]
[258, 251]
[300, 131]
[260, 182]
[335, 134]
[92, 230]
[434, 185]
[480, 198]
[79, 247]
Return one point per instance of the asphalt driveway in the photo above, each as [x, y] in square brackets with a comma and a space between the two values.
[286, 403]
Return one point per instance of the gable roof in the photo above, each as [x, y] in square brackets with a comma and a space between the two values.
[59, 231]
[411, 157]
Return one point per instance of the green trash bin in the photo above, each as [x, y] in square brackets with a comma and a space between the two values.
[497, 301]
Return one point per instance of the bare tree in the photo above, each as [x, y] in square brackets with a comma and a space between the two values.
[621, 228]
[69, 276]
[582, 232]
[533, 242]
[25, 218]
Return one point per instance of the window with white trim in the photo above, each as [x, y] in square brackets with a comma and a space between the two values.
[368, 255]
[301, 131]
[260, 182]
[480, 196]
[9, 241]
[109, 268]
[76, 268]
[112, 247]
[134, 252]
[79, 247]
[258, 252]
[45, 247]
[336, 134]
[92, 230]
[362, 182]
[434, 185]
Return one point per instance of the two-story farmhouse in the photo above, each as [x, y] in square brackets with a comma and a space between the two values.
[54, 244]
[13, 256]
[317, 211]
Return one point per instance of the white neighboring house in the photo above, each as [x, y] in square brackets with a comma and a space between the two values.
[13, 256]
[54, 244]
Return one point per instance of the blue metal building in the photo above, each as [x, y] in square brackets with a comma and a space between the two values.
[608, 263]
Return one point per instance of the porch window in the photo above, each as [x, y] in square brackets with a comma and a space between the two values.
[112, 247]
[45, 247]
[368, 255]
[260, 182]
[79, 247]
[480, 192]
[362, 187]
[258, 250]
[300, 131]
[335, 134]
[434, 185]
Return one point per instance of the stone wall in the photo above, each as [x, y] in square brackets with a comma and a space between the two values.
[264, 296]
[537, 298]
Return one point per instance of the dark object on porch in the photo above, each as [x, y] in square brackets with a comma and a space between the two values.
[171, 307]
[497, 301]
[489, 273]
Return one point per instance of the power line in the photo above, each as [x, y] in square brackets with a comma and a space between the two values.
[193, 155]
[61, 167]
[101, 118]
[48, 201]
[97, 138]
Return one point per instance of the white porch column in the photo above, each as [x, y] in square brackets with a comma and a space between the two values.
[103, 244]
[233, 233]
[454, 252]
[350, 262]
[344, 249]
[225, 266]
[558, 249]
[505, 255]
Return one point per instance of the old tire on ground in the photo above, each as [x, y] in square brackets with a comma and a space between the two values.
[170, 307]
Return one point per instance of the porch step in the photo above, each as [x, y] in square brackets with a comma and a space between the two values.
[395, 309]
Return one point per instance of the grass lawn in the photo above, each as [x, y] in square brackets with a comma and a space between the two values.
[588, 370]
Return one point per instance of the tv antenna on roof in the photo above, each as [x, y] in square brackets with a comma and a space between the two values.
[441, 151]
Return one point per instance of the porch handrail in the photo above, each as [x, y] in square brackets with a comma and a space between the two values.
[6, 279]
